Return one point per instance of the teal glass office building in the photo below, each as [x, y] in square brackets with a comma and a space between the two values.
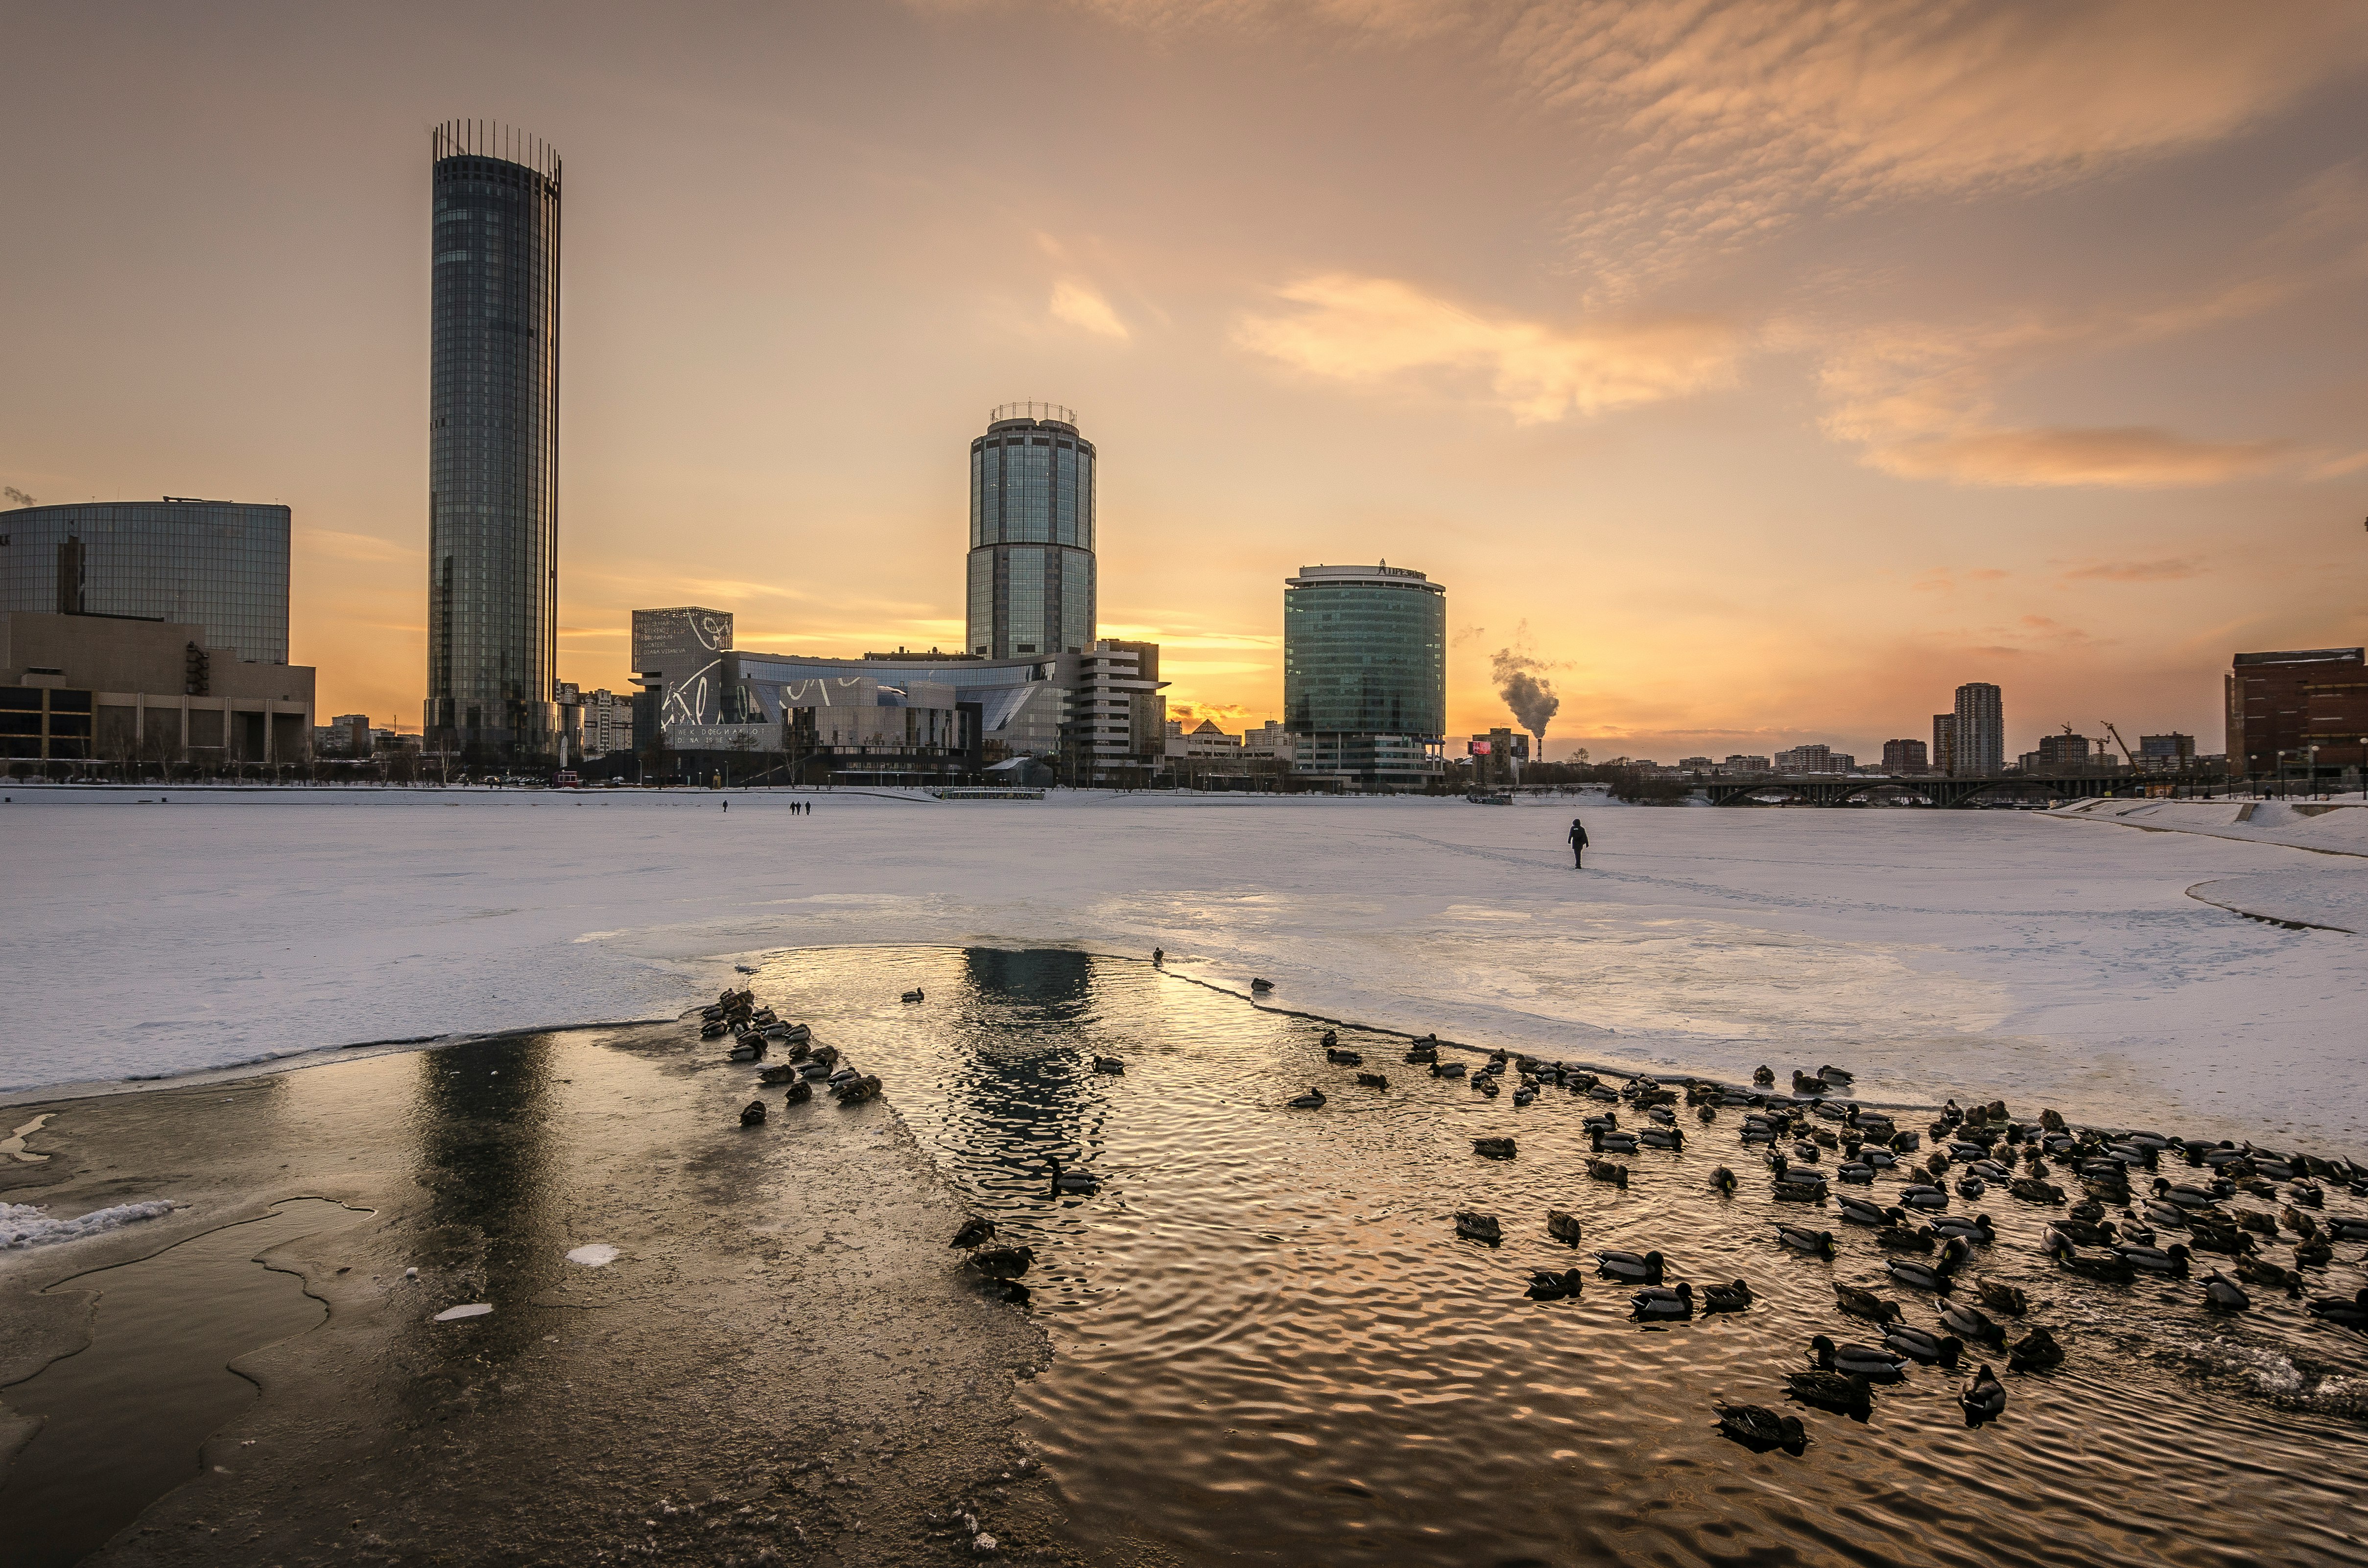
[219, 564]
[1030, 577]
[1364, 671]
[492, 443]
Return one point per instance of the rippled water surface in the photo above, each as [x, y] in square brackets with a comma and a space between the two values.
[1271, 1347]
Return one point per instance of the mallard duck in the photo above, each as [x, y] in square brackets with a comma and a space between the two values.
[2184, 1196]
[1562, 1226]
[1976, 1231]
[1923, 1195]
[1612, 1143]
[976, 1230]
[857, 1090]
[2036, 1351]
[1664, 1301]
[752, 1114]
[1002, 1263]
[1485, 1083]
[2001, 1298]
[1662, 1138]
[2346, 1230]
[1474, 1227]
[1722, 1179]
[1607, 1170]
[1312, 1100]
[2172, 1260]
[1970, 1323]
[1984, 1398]
[1545, 1285]
[1732, 1297]
[1072, 1181]
[2352, 1312]
[1493, 1148]
[2109, 1266]
[1845, 1393]
[2309, 1194]
[2262, 1271]
[915, 996]
[2221, 1294]
[2030, 1189]
[2316, 1252]
[1373, 1080]
[1447, 1069]
[1904, 1238]
[1706, 1114]
[1158, 956]
[1865, 1211]
[2088, 1234]
[1919, 1345]
[1260, 987]
[1797, 1188]
[1109, 1064]
[1645, 1267]
[1802, 1239]
[779, 1072]
[1763, 1075]
[1860, 1303]
[1756, 1428]
[1922, 1276]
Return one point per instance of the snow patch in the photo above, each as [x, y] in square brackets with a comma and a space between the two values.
[30, 1225]
[454, 1315]
[600, 1254]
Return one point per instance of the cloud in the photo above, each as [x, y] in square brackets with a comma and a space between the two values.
[2137, 571]
[1379, 331]
[1080, 305]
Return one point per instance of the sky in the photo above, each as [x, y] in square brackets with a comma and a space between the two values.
[1751, 374]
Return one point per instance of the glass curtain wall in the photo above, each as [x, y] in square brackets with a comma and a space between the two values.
[219, 564]
[1031, 575]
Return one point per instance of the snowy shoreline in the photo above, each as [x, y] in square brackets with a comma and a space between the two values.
[2007, 954]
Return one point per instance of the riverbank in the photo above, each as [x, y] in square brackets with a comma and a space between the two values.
[781, 1357]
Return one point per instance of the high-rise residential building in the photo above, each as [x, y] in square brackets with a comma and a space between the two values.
[1364, 672]
[1031, 576]
[1814, 758]
[2299, 712]
[2068, 752]
[219, 564]
[1905, 757]
[1980, 746]
[1945, 743]
[493, 442]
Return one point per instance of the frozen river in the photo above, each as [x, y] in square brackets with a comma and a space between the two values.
[2044, 961]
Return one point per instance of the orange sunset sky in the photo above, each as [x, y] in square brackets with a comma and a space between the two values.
[1763, 371]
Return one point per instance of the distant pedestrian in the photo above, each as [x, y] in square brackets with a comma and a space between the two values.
[1578, 845]
[728, 805]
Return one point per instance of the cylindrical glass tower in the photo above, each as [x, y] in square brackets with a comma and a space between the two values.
[493, 444]
[1031, 534]
[1364, 672]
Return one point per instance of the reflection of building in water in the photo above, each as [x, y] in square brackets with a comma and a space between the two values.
[484, 1159]
[1030, 1074]
[1038, 977]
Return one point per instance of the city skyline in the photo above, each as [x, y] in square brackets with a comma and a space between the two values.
[1930, 382]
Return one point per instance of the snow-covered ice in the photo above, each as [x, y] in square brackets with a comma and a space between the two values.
[600, 1254]
[2003, 953]
[454, 1315]
[26, 1225]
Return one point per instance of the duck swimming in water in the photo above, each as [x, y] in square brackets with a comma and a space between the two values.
[1864, 1303]
[2352, 1312]
[1732, 1297]
[1721, 1180]
[2155, 1260]
[976, 1232]
[1662, 1138]
[1802, 1239]
[1474, 1227]
[1312, 1100]
[1071, 1182]
[1664, 1301]
[1922, 1276]
[1976, 1231]
[1970, 1323]
[1607, 1170]
[1109, 1064]
[1984, 1398]
[1862, 1211]
[2007, 1299]
[1846, 1393]
[1003, 1263]
[2222, 1294]
[1919, 1345]
[1545, 1285]
[1645, 1267]
[1562, 1226]
[1861, 1360]
[1612, 1143]
[1904, 1238]
[1756, 1428]
[1493, 1148]
[752, 1114]
[2035, 1352]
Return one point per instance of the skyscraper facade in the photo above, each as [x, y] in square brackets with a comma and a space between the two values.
[219, 564]
[1980, 740]
[1031, 535]
[492, 443]
[1945, 743]
[1364, 672]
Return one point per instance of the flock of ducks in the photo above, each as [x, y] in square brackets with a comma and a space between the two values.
[754, 1033]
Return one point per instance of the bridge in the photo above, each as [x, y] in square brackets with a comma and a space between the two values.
[1840, 790]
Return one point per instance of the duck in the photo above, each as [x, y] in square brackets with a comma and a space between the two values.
[1977, 1230]
[2088, 1234]
[1970, 1323]
[2316, 1252]
[1562, 1226]
[2184, 1196]
[1158, 956]
[1072, 1181]
[1922, 1276]
[976, 1230]
[1838, 1076]
[1732, 1297]
[1845, 1393]
[1802, 1239]
[2352, 1312]
[2158, 1260]
[2222, 1294]
[2036, 1351]
[1860, 1303]
[1485, 1083]
[779, 1072]
[1003, 1263]
[1664, 1301]
[2346, 1230]
[1645, 1267]
[1763, 1075]
[857, 1090]
[1662, 1138]
[800, 1091]
[1260, 987]
[1721, 1180]
[1607, 1170]
[1799, 1189]
[1858, 1173]
[752, 1114]
[1373, 1080]
[1756, 1427]
[1312, 1100]
[2002, 1298]
[2110, 1267]
[1923, 1195]
[1971, 1187]
[1476, 1227]
[1864, 1211]
[1612, 1143]
[1446, 1068]
[1493, 1148]
[915, 994]
[1984, 1398]
[1545, 1285]
[2262, 1271]
[1706, 1113]
[2030, 1189]
[1109, 1064]
[1918, 1344]
[1904, 1238]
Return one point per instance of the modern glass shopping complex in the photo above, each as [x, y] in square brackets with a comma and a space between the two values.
[219, 564]
[1364, 672]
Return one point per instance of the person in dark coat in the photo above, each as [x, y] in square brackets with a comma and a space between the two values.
[1578, 845]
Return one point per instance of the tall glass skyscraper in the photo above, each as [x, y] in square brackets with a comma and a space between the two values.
[1364, 672]
[219, 564]
[1031, 534]
[493, 444]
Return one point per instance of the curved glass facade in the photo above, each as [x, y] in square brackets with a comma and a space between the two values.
[492, 445]
[1364, 653]
[219, 564]
[1031, 579]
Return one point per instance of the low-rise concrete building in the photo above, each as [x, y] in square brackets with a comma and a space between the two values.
[103, 687]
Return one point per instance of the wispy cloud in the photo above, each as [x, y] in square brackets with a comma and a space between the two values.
[1383, 332]
[2169, 571]
[1081, 306]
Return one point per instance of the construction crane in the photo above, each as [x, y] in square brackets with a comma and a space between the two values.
[2120, 742]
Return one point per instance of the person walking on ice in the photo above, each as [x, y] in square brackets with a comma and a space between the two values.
[1578, 845]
